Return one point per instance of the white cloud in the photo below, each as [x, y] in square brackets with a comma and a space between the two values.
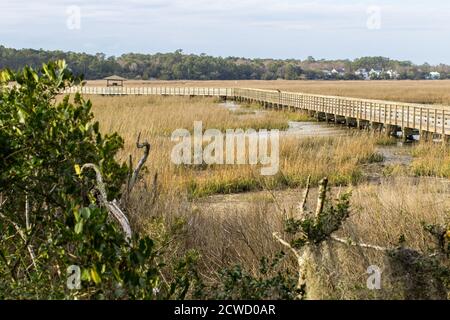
[204, 25]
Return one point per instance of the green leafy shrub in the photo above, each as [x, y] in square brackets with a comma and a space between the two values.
[50, 214]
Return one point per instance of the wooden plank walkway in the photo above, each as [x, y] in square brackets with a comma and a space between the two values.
[169, 91]
[391, 116]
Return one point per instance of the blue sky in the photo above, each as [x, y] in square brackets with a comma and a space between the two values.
[409, 30]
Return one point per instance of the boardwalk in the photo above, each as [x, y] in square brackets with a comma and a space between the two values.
[427, 120]
[169, 91]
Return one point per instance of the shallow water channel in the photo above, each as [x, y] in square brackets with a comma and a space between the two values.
[393, 155]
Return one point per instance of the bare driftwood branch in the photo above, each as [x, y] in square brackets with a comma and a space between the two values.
[27, 212]
[154, 194]
[135, 176]
[112, 206]
[115, 210]
[305, 196]
[277, 236]
[306, 253]
[301, 259]
[100, 185]
[322, 196]
[349, 242]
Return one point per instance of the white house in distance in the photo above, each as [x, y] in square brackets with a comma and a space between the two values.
[367, 75]
[375, 73]
[434, 75]
[335, 72]
[339, 72]
[392, 74]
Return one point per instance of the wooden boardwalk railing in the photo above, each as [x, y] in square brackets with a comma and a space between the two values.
[170, 91]
[407, 116]
[427, 119]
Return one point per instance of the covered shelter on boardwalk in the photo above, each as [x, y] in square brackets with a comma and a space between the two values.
[114, 81]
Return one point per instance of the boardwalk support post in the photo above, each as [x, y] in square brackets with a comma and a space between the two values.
[407, 134]
[391, 130]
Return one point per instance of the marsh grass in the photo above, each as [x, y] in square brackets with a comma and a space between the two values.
[384, 214]
[315, 157]
[156, 118]
[383, 140]
[238, 230]
[299, 116]
[431, 159]
[196, 204]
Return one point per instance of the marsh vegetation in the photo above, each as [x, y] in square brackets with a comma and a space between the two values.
[231, 212]
[71, 194]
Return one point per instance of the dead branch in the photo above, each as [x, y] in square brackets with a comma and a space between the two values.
[27, 213]
[305, 196]
[322, 196]
[100, 185]
[112, 206]
[154, 194]
[301, 258]
[135, 176]
[115, 210]
[304, 255]
[350, 242]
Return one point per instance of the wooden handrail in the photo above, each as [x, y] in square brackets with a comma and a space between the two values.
[431, 118]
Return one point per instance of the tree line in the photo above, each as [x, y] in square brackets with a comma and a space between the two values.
[180, 66]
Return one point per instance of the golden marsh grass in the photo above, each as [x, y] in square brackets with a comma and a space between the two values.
[156, 118]
[228, 229]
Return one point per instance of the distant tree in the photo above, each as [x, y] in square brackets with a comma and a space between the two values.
[178, 65]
